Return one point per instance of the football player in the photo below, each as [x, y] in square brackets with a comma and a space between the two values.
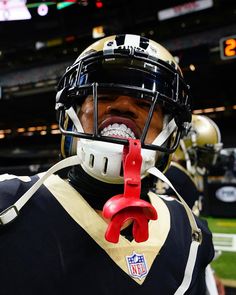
[196, 154]
[122, 107]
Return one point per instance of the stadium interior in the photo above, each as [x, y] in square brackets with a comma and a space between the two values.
[35, 51]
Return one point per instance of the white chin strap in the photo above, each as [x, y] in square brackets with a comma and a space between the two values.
[195, 230]
[10, 213]
[103, 160]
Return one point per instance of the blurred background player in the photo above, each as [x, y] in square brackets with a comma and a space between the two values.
[196, 154]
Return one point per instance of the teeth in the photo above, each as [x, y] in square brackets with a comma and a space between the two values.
[120, 130]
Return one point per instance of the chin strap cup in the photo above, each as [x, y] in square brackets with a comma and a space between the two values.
[129, 206]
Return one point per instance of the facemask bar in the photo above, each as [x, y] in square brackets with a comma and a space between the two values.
[96, 136]
[71, 90]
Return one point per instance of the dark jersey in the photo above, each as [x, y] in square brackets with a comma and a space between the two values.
[183, 183]
[56, 246]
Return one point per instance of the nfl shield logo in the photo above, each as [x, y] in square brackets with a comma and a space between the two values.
[137, 265]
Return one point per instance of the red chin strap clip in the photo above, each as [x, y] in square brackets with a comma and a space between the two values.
[129, 206]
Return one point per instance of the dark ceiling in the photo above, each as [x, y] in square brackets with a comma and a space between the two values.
[62, 34]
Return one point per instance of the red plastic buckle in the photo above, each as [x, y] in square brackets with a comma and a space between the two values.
[128, 205]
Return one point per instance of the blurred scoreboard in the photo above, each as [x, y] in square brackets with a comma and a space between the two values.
[228, 47]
